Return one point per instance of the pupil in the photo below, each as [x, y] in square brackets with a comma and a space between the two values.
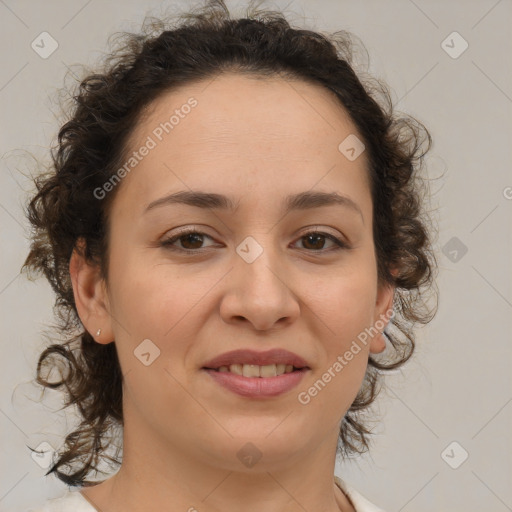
[317, 237]
[190, 236]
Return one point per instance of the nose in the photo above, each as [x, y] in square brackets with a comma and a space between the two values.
[260, 292]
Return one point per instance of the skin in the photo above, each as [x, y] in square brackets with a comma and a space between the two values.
[257, 140]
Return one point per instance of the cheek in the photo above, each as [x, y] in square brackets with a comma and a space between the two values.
[162, 304]
[344, 300]
[332, 390]
[345, 307]
[148, 298]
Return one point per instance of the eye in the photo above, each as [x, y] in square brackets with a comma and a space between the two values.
[191, 241]
[315, 240]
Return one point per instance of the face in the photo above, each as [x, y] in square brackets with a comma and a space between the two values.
[252, 275]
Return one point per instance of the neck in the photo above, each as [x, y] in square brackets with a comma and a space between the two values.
[177, 478]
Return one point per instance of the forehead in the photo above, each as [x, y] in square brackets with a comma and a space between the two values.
[233, 131]
[243, 109]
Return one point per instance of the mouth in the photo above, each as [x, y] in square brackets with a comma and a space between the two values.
[255, 371]
[257, 374]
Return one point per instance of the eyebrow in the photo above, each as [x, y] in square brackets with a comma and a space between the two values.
[301, 201]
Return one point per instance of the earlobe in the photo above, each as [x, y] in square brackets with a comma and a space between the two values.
[90, 297]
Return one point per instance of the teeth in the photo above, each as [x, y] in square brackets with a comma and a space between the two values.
[236, 368]
[250, 370]
[253, 370]
[269, 370]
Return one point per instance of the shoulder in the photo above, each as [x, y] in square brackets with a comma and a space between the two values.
[360, 503]
[71, 501]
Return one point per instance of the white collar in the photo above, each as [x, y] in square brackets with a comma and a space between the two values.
[360, 503]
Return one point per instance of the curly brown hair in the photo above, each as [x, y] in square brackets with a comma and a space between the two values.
[66, 215]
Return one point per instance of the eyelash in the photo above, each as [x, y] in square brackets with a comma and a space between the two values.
[339, 244]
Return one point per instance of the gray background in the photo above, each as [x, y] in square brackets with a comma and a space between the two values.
[458, 386]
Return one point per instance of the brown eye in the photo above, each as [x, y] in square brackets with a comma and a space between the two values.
[190, 241]
[315, 241]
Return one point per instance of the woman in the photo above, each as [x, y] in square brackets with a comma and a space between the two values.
[231, 222]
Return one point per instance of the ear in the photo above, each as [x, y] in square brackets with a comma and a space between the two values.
[91, 299]
[383, 313]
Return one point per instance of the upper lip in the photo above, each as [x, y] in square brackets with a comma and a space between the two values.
[274, 356]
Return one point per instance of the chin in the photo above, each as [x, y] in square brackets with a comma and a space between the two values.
[267, 444]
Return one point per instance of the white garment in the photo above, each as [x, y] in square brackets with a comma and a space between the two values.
[73, 501]
[360, 503]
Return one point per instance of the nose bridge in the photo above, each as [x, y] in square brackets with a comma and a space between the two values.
[260, 261]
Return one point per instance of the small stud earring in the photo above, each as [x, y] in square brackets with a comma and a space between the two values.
[98, 332]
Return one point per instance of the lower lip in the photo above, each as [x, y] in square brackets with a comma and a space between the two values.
[255, 387]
